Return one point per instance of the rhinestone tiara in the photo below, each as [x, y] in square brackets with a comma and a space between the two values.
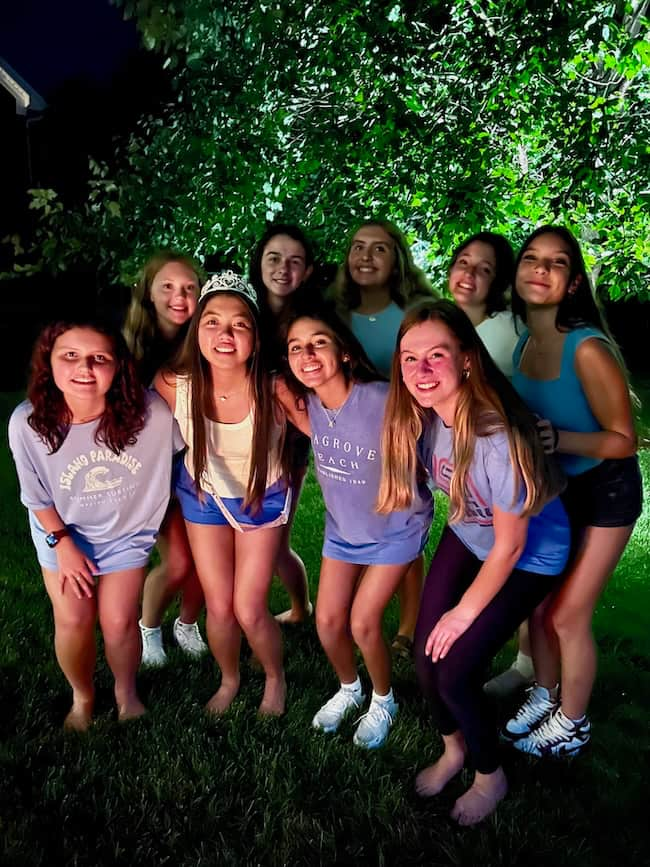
[229, 281]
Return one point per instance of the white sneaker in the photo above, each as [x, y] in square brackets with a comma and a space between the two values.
[540, 703]
[374, 725]
[556, 736]
[188, 638]
[153, 652]
[334, 711]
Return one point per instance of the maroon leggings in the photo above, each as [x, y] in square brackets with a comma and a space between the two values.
[454, 685]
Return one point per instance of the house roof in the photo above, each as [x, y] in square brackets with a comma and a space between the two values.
[27, 99]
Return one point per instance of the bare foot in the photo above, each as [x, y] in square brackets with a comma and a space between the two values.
[274, 698]
[432, 780]
[295, 614]
[223, 697]
[79, 717]
[131, 709]
[481, 799]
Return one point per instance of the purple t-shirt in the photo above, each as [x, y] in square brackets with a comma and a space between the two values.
[113, 504]
[492, 481]
[347, 460]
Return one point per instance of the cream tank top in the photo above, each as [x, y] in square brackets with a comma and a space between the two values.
[229, 447]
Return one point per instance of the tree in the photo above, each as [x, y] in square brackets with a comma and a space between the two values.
[447, 117]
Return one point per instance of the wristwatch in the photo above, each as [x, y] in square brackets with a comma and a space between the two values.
[55, 536]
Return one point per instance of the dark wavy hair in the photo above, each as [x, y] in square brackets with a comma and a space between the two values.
[124, 415]
[505, 268]
[255, 268]
[359, 368]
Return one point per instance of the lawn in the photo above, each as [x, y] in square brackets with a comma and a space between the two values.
[179, 788]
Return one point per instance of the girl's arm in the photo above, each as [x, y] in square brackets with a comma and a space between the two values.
[165, 384]
[73, 564]
[607, 393]
[296, 414]
[510, 533]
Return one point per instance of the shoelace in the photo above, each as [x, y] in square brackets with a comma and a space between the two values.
[551, 731]
[529, 711]
[377, 713]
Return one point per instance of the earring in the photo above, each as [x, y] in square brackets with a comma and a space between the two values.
[465, 374]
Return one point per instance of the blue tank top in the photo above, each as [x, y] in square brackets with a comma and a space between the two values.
[561, 400]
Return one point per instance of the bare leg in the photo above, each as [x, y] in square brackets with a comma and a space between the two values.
[408, 594]
[290, 568]
[174, 574]
[481, 799]
[571, 612]
[432, 780]
[255, 552]
[75, 647]
[336, 587]
[118, 596]
[375, 589]
[214, 554]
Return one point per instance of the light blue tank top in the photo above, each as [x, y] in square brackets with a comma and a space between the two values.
[561, 400]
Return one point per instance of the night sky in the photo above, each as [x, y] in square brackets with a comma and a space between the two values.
[49, 42]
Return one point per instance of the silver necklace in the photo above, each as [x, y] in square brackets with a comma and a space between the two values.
[332, 415]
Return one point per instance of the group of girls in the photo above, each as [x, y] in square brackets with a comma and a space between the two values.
[522, 542]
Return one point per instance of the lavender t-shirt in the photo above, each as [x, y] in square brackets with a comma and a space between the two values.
[347, 461]
[492, 481]
[113, 504]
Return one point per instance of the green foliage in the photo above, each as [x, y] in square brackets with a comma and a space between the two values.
[446, 116]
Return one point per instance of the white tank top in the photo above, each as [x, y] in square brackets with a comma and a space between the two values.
[229, 447]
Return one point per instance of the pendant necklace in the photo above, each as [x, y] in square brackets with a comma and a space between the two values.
[332, 415]
[223, 397]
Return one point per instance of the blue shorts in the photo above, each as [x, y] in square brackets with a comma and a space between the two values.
[274, 504]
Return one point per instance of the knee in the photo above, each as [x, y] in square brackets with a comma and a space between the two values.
[81, 619]
[219, 610]
[250, 616]
[567, 621]
[178, 567]
[364, 629]
[117, 625]
[330, 623]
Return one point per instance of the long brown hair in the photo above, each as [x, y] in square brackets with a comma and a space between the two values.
[191, 363]
[407, 281]
[124, 414]
[487, 403]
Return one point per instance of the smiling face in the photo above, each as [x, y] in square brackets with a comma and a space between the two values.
[315, 357]
[83, 367]
[371, 260]
[284, 267]
[472, 274]
[174, 292]
[226, 331]
[542, 277]
[432, 364]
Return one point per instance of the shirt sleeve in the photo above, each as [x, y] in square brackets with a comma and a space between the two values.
[34, 493]
[503, 479]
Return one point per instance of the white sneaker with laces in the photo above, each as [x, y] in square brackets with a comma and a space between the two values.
[374, 725]
[334, 711]
[153, 652]
[557, 736]
[188, 638]
[540, 703]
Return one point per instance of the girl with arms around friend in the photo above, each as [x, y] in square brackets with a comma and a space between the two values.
[569, 371]
[231, 486]
[162, 304]
[365, 555]
[376, 283]
[93, 453]
[281, 264]
[506, 543]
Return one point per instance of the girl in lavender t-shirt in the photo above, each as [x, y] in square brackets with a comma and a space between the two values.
[365, 554]
[93, 453]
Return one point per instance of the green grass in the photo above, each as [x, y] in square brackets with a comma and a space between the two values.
[177, 788]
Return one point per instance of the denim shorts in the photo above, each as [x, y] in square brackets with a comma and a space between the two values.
[210, 512]
[608, 495]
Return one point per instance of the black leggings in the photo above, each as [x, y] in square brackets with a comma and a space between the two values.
[454, 685]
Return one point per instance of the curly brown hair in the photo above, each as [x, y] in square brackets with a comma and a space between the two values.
[124, 415]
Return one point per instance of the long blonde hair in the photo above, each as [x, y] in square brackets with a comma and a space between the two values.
[407, 284]
[487, 403]
[140, 324]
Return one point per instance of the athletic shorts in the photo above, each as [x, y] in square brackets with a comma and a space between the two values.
[608, 495]
[275, 503]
